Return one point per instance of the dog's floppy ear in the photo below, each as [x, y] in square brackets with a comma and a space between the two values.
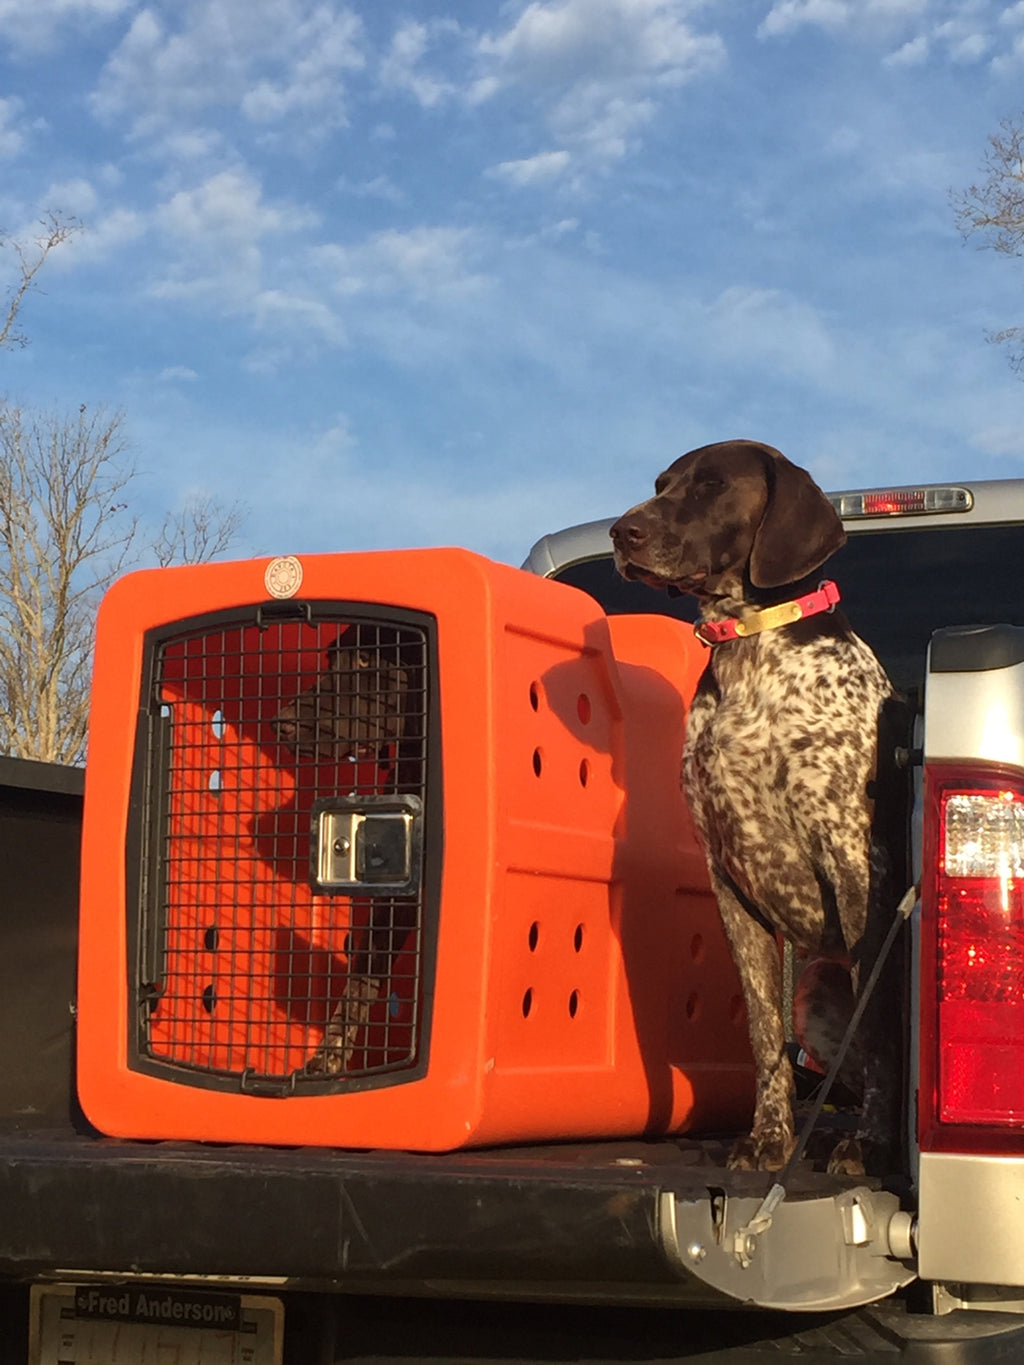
[800, 527]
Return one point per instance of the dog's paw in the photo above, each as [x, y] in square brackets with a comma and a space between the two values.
[328, 1060]
[768, 1151]
[847, 1158]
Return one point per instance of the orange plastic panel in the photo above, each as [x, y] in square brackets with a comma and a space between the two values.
[569, 978]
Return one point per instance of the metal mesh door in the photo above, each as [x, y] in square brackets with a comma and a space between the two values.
[275, 749]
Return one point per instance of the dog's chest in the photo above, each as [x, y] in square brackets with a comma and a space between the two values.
[772, 726]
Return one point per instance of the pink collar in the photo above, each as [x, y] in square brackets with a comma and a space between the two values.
[811, 604]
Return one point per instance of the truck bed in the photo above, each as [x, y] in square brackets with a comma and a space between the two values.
[583, 1251]
[551, 1221]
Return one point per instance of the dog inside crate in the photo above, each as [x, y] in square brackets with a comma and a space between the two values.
[258, 973]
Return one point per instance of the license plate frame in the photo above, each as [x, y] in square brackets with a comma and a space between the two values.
[128, 1323]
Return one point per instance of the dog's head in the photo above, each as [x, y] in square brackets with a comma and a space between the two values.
[354, 707]
[725, 518]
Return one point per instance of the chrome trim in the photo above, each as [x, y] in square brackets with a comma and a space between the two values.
[811, 1255]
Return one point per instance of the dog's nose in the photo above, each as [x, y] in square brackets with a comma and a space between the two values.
[628, 533]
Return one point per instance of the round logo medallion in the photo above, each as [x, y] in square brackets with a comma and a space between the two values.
[283, 577]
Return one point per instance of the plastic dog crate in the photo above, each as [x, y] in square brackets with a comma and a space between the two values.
[388, 850]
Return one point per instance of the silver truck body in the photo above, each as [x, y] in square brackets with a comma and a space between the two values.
[960, 1225]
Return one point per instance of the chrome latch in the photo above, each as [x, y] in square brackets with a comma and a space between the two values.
[367, 845]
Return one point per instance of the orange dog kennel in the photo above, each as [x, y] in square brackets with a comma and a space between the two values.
[388, 850]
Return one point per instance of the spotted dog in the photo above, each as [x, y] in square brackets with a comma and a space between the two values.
[779, 767]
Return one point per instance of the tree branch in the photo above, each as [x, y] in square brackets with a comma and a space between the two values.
[56, 230]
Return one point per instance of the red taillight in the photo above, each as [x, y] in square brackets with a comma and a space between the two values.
[972, 960]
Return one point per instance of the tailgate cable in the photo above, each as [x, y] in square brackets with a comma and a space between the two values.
[745, 1240]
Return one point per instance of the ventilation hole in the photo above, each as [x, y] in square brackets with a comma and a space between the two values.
[697, 948]
[737, 1012]
[216, 782]
[538, 762]
[528, 1002]
[534, 936]
[209, 999]
[577, 938]
[584, 771]
[217, 724]
[574, 1004]
[693, 1006]
[534, 696]
[583, 708]
[210, 939]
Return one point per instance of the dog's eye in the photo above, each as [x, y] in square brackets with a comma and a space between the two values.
[709, 483]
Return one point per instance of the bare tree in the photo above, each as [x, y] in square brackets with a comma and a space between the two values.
[203, 529]
[54, 230]
[66, 531]
[993, 210]
[64, 535]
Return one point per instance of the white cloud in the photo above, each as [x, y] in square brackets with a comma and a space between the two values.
[1006, 440]
[598, 39]
[962, 39]
[266, 58]
[105, 233]
[277, 309]
[98, 228]
[786, 15]
[70, 196]
[964, 31]
[379, 187]
[532, 170]
[229, 208]
[912, 53]
[563, 228]
[402, 66]
[175, 374]
[336, 440]
[34, 25]
[773, 331]
[216, 233]
[596, 68]
[424, 262]
[11, 137]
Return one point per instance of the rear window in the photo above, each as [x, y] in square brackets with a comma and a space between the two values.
[897, 588]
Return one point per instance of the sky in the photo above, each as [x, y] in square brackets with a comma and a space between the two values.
[455, 272]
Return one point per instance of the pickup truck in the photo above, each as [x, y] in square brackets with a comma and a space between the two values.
[380, 1013]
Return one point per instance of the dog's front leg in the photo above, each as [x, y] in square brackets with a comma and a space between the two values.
[756, 954]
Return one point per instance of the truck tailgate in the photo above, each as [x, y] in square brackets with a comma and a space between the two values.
[628, 1222]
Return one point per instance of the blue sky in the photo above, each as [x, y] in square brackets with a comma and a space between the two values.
[464, 273]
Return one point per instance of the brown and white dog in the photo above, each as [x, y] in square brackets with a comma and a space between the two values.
[351, 711]
[779, 766]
